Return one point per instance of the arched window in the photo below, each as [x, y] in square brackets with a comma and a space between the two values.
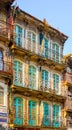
[18, 104]
[1, 60]
[32, 112]
[56, 52]
[45, 79]
[1, 96]
[46, 114]
[32, 77]
[18, 73]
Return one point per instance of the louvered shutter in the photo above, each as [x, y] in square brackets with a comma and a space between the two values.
[19, 34]
[32, 113]
[56, 111]
[46, 115]
[32, 77]
[18, 73]
[45, 78]
[1, 60]
[56, 80]
[18, 104]
[46, 48]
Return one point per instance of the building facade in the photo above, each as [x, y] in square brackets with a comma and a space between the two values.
[68, 86]
[34, 94]
[37, 93]
[5, 66]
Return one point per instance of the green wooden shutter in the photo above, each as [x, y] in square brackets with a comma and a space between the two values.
[56, 80]
[18, 104]
[45, 79]
[19, 34]
[32, 77]
[32, 113]
[46, 48]
[1, 60]
[56, 52]
[46, 114]
[56, 116]
[18, 73]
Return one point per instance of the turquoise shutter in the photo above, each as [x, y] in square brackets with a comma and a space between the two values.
[56, 111]
[32, 77]
[1, 60]
[56, 52]
[18, 104]
[45, 78]
[19, 34]
[56, 82]
[32, 113]
[18, 73]
[46, 48]
[46, 116]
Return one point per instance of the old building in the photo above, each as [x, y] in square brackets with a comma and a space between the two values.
[68, 85]
[34, 94]
[5, 65]
[37, 94]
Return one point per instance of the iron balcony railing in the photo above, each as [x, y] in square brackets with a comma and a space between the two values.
[37, 120]
[44, 86]
[38, 49]
[5, 67]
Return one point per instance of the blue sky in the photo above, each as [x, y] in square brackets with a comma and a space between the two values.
[58, 14]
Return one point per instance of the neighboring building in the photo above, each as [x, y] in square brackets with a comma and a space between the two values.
[68, 86]
[5, 66]
[37, 93]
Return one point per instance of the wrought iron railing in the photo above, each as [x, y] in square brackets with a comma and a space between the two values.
[6, 67]
[38, 49]
[44, 121]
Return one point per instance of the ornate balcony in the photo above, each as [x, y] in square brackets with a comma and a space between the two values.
[37, 52]
[5, 69]
[45, 121]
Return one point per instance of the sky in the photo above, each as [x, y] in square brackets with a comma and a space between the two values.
[58, 14]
